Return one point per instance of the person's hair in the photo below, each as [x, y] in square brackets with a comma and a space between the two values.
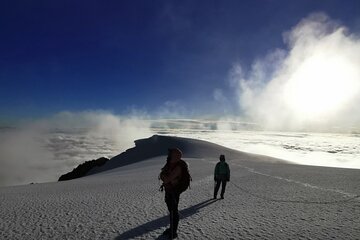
[170, 151]
[175, 150]
[222, 157]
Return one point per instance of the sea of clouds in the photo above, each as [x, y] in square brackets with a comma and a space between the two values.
[43, 150]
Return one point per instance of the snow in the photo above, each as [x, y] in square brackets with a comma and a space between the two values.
[266, 199]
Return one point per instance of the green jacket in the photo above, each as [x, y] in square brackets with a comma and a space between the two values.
[222, 171]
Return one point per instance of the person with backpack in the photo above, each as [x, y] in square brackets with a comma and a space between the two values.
[176, 179]
[221, 176]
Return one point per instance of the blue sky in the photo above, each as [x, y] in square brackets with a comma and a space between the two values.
[123, 55]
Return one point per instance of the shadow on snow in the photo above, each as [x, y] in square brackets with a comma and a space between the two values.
[162, 221]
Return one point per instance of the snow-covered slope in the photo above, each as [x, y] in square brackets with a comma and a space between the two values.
[265, 199]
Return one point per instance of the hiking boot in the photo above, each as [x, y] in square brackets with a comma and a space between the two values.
[173, 236]
[222, 197]
[167, 232]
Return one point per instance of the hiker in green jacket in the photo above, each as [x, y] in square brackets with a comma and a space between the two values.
[221, 175]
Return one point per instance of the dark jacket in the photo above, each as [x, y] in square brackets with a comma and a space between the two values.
[222, 171]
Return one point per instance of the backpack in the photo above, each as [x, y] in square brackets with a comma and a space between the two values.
[184, 182]
[185, 178]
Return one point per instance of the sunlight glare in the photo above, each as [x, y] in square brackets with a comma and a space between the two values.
[322, 85]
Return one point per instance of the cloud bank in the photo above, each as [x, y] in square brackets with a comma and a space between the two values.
[40, 151]
[314, 84]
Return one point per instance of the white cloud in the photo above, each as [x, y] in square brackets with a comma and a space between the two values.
[313, 84]
[43, 150]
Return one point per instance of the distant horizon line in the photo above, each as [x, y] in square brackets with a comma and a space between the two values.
[203, 124]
